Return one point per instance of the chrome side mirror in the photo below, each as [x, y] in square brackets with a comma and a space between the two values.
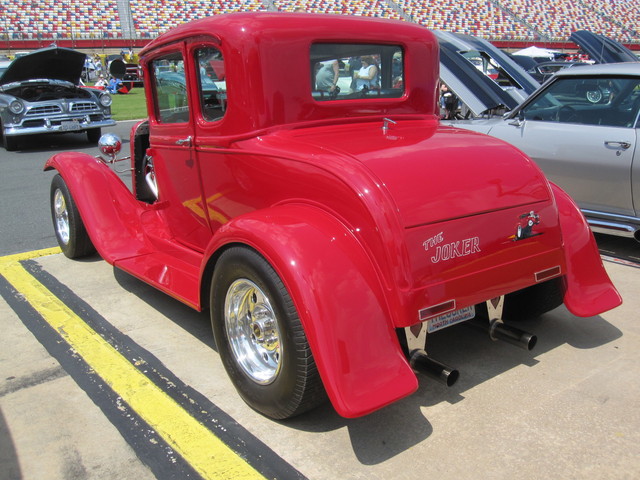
[110, 145]
[519, 120]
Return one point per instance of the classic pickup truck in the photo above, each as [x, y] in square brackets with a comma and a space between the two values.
[293, 178]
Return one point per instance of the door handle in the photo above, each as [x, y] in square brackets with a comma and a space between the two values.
[184, 141]
[622, 145]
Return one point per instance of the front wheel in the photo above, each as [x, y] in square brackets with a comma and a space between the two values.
[260, 338]
[70, 230]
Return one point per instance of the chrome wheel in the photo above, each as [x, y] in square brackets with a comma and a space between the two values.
[252, 331]
[61, 216]
[260, 337]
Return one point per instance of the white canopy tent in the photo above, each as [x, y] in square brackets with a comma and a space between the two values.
[537, 52]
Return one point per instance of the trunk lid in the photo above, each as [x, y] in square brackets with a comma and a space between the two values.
[435, 173]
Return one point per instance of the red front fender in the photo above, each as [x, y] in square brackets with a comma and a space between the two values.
[588, 288]
[339, 299]
[108, 209]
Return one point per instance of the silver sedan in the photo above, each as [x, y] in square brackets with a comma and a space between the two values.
[582, 128]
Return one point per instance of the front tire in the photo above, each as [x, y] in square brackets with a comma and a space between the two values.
[93, 135]
[10, 144]
[260, 338]
[70, 230]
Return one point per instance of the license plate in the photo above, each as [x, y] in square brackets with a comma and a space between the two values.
[70, 126]
[451, 318]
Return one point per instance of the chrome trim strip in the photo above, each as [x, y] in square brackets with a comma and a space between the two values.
[620, 225]
[611, 228]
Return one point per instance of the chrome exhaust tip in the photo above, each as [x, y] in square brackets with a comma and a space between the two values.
[422, 363]
[512, 335]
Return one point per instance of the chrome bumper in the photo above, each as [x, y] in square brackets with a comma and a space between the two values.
[619, 225]
[57, 125]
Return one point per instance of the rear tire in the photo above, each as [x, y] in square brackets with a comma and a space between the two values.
[533, 301]
[260, 338]
[529, 303]
[70, 230]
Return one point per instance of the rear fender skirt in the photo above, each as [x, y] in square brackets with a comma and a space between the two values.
[339, 298]
[588, 289]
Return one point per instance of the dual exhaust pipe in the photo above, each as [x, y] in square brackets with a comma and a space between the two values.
[422, 363]
[507, 333]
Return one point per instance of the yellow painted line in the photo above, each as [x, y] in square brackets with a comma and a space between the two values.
[28, 255]
[205, 452]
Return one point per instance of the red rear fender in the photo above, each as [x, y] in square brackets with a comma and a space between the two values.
[589, 290]
[339, 299]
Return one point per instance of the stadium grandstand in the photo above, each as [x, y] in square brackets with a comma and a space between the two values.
[27, 24]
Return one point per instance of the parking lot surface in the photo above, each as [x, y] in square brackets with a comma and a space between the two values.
[101, 376]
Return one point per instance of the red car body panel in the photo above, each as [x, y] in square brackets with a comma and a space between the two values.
[588, 289]
[371, 225]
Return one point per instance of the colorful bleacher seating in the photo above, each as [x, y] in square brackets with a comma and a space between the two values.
[54, 19]
[492, 19]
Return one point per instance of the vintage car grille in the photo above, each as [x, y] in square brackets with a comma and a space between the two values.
[83, 107]
[45, 110]
[33, 123]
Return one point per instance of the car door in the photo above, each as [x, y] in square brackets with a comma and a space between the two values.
[583, 136]
[172, 148]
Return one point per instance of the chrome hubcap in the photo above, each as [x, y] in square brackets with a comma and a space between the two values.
[61, 216]
[252, 330]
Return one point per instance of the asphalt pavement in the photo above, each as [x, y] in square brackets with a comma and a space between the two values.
[25, 216]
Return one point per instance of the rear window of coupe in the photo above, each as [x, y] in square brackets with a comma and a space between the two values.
[354, 71]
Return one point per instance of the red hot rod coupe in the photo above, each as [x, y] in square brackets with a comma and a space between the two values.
[293, 178]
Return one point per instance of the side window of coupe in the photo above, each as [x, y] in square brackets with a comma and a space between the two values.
[211, 83]
[172, 103]
[602, 101]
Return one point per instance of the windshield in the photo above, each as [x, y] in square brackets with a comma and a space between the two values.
[354, 71]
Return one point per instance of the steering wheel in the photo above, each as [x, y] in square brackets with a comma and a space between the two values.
[566, 113]
[594, 96]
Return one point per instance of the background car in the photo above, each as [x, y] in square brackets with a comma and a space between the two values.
[39, 93]
[129, 73]
[582, 129]
[544, 70]
[484, 77]
[484, 93]
[4, 64]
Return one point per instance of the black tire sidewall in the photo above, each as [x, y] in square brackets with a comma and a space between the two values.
[79, 243]
[279, 397]
[93, 135]
[10, 143]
